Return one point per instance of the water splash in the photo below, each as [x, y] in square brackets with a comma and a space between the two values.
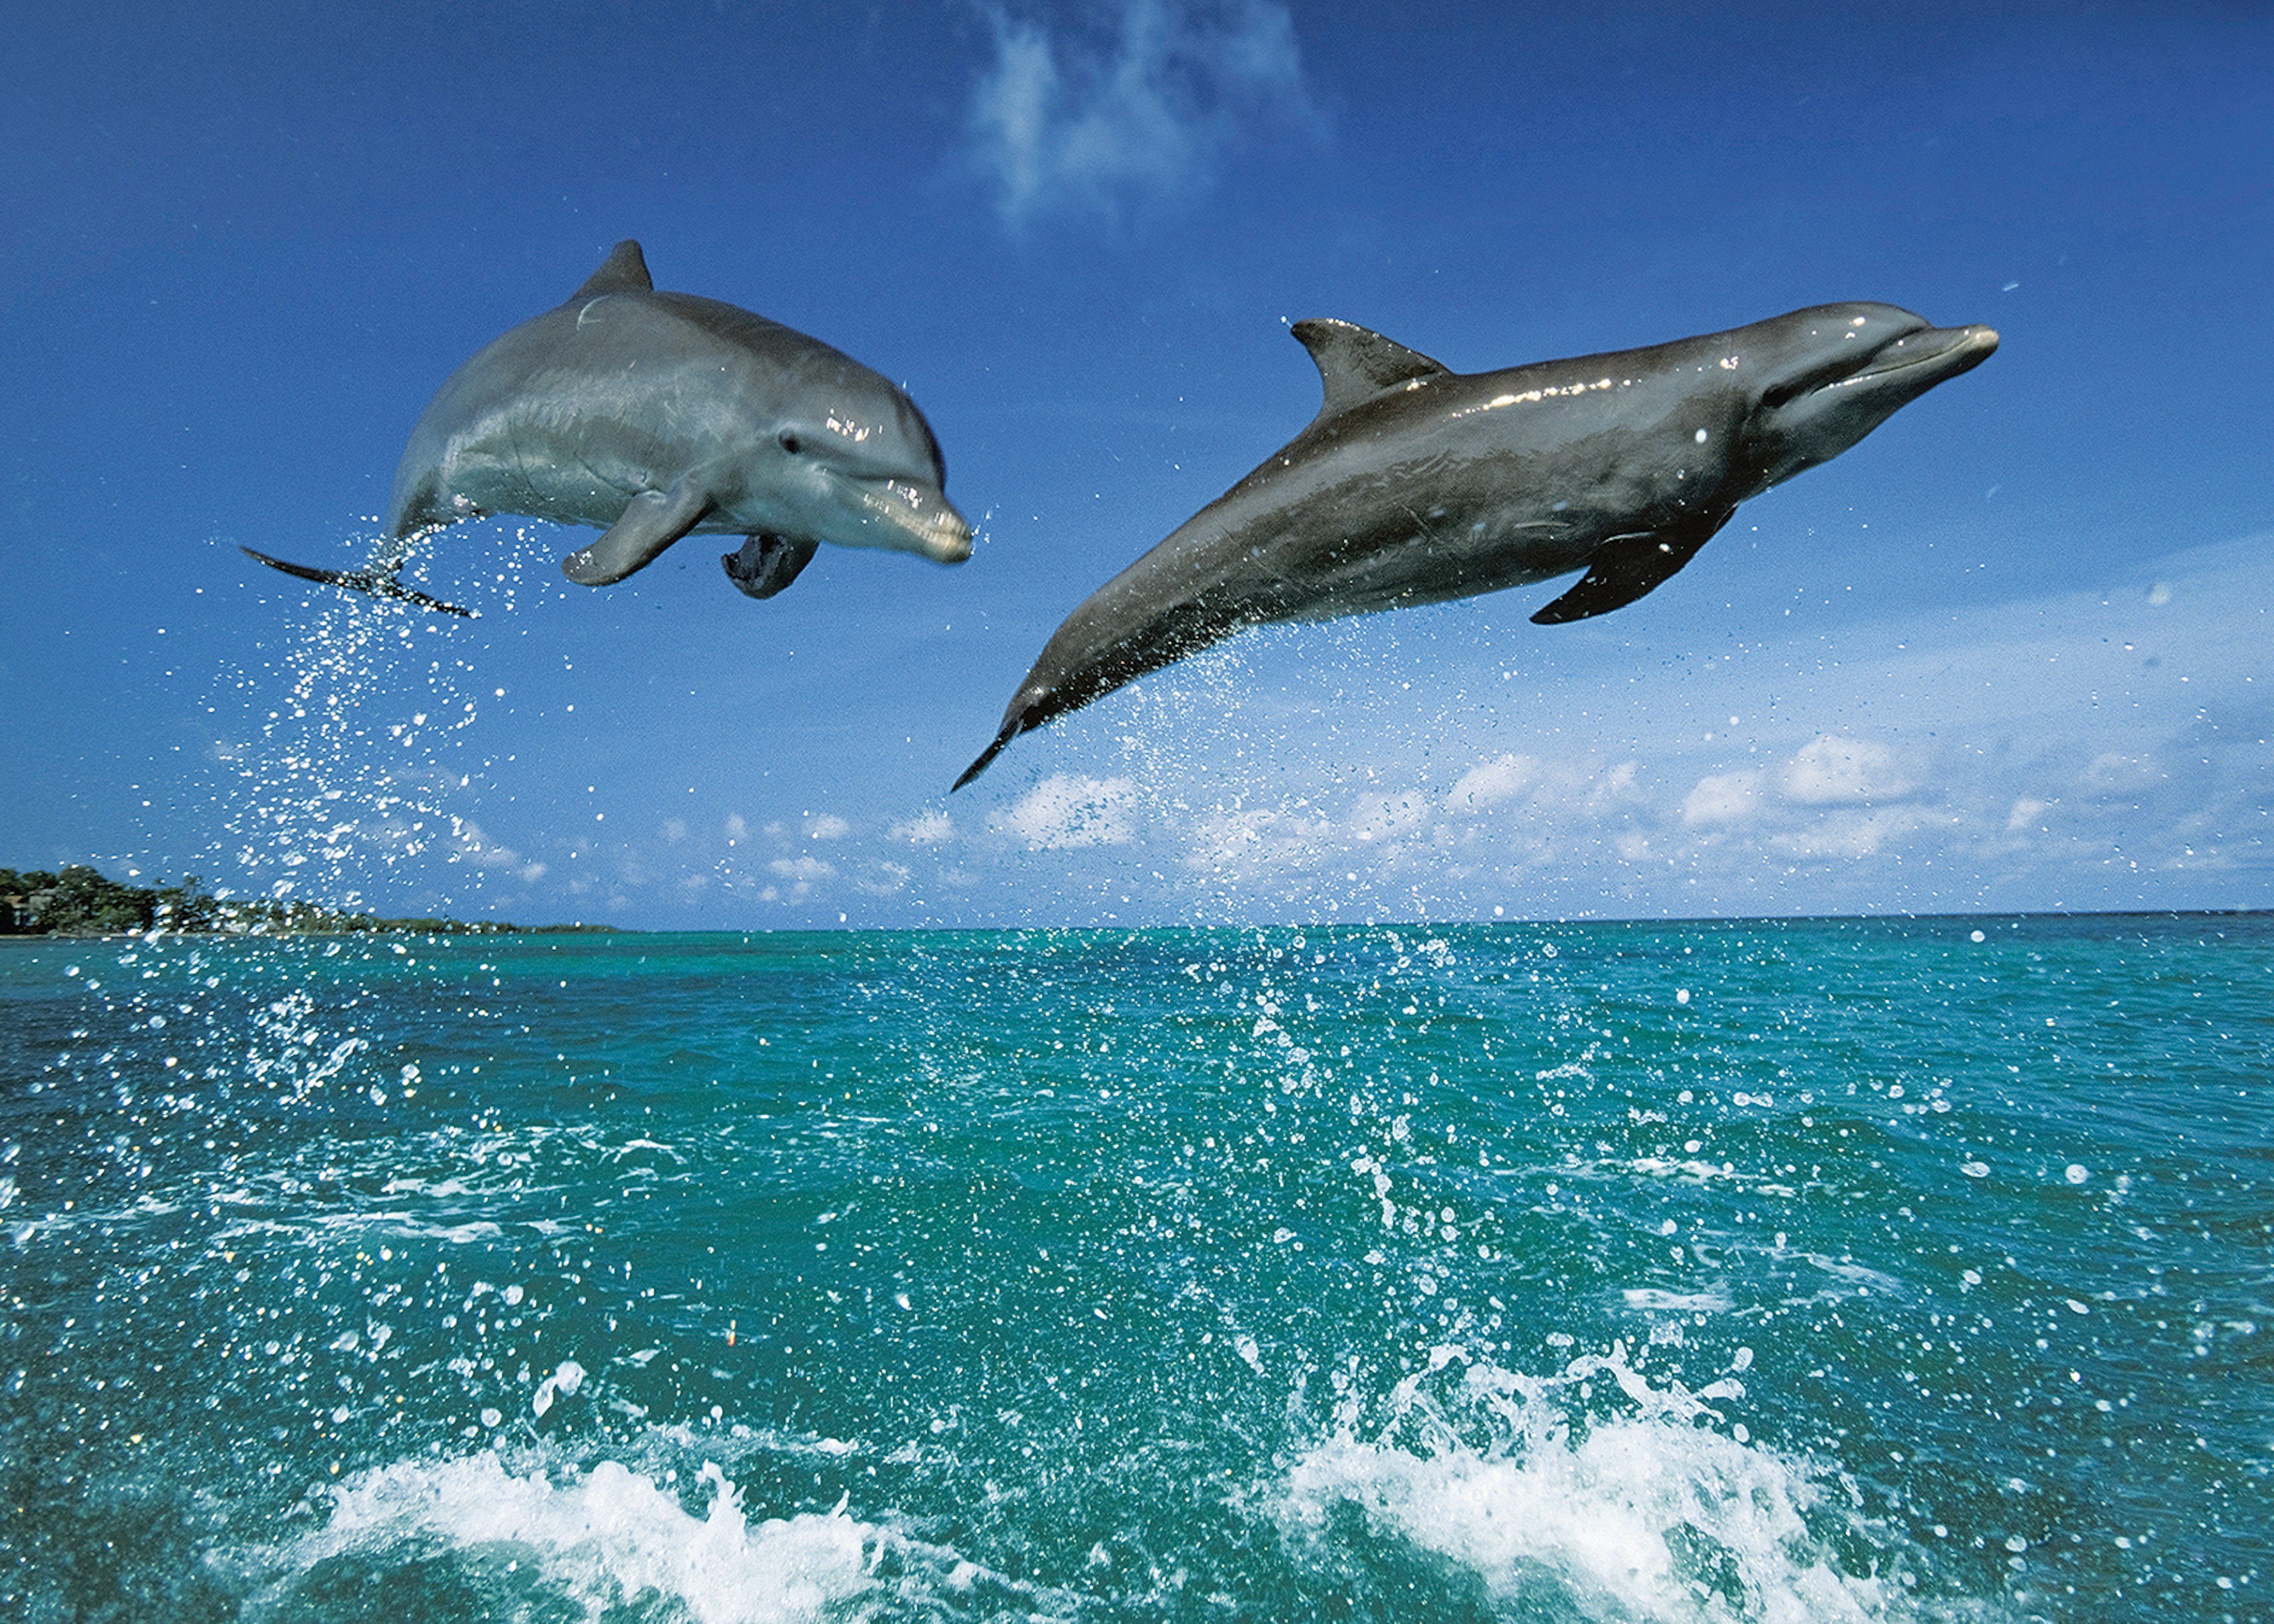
[1596, 1495]
[363, 755]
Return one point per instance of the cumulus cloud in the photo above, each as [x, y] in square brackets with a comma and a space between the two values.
[476, 848]
[1830, 770]
[1061, 120]
[827, 826]
[1261, 838]
[2087, 748]
[883, 879]
[1386, 817]
[931, 827]
[1066, 811]
[1722, 798]
[1827, 800]
[1848, 833]
[1506, 812]
[1489, 783]
[802, 872]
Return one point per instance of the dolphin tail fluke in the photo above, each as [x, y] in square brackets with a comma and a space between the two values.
[395, 588]
[377, 582]
[1010, 732]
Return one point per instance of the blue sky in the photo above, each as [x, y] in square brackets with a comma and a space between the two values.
[2012, 651]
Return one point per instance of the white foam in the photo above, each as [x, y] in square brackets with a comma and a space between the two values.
[1641, 1516]
[1652, 1299]
[564, 1381]
[608, 1536]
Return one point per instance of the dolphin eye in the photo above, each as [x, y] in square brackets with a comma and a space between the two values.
[789, 442]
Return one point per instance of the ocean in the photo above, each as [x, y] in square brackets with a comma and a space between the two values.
[1779, 1270]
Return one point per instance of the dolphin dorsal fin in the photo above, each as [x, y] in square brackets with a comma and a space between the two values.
[1356, 364]
[623, 271]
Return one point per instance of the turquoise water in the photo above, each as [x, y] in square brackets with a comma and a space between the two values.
[1794, 1270]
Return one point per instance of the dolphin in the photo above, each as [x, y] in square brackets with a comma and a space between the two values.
[653, 415]
[1416, 484]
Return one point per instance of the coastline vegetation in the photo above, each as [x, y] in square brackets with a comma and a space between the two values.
[78, 900]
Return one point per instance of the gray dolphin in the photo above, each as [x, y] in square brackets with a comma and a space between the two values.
[653, 415]
[1415, 485]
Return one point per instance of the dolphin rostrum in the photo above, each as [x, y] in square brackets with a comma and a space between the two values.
[653, 415]
[1415, 485]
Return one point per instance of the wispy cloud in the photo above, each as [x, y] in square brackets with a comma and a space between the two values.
[1063, 120]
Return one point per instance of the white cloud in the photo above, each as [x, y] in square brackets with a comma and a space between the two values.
[1848, 834]
[828, 826]
[1415, 836]
[1488, 784]
[1723, 798]
[882, 879]
[1262, 838]
[476, 848]
[1391, 817]
[802, 872]
[2083, 748]
[2112, 770]
[932, 827]
[1830, 770]
[1061, 121]
[1067, 810]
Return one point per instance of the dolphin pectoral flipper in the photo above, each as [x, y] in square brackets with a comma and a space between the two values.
[766, 564]
[379, 582]
[1631, 567]
[652, 521]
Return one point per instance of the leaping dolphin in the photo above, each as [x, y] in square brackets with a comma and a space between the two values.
[653, 415]
[1415, 484]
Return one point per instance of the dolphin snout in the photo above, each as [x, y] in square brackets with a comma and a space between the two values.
[913, 518]
[944, 538]
[951, 542]
[1969, 348]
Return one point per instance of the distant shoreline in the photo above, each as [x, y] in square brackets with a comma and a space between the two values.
[76, 901]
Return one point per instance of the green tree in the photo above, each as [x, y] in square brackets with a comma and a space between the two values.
[82, 901]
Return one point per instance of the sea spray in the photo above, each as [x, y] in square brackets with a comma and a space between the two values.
[1337, 1271]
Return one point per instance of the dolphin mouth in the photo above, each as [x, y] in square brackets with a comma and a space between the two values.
[915, 519]
[1924, 357]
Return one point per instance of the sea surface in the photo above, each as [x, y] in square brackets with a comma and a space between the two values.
[1795, 1270]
